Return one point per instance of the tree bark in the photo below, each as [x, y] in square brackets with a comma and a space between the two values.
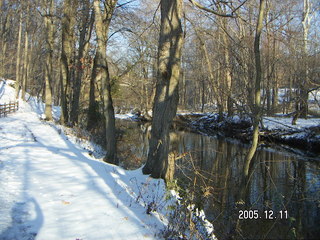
[167, 94]
[92, 110]
[257, 95]
[49, 25]
[102, 20]
[228, 69]
[25, 66]
[85, 35]
[26, 58]
[4, 33]
[304, 84]
[68, 22]
[18, 77]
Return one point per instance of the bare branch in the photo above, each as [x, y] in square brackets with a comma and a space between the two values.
[123, 4]
[200, 6]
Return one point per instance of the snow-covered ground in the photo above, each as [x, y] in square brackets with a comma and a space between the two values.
[304, 135]
[51, 188]
[7, 93]
[284, 123]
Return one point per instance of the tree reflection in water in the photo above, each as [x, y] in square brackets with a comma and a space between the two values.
[210, 170]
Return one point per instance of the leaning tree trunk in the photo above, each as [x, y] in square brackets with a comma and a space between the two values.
[102, 20]
[257, 96]
[167, 95]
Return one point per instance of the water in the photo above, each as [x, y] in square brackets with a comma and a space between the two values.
[282, 200]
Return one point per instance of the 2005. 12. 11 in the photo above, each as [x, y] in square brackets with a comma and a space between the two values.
[267, 214]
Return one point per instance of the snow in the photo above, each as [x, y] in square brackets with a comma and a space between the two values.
[51, 188]
[284, 123]
[7, 94]
[127, 116]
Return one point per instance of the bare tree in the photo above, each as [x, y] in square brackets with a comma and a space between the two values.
[257, 93]
[305, 77]
[167, 97]
[48, 15]
[26, 53]
[18, 76]
[6, 14]
[85, 30]
[68, 23]
[101, 73]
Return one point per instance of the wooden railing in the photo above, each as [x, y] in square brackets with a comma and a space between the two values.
[8, 108]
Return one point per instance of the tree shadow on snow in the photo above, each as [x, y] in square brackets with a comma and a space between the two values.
[118, 191]
[26, 214]
[122, 185]
[24, 226]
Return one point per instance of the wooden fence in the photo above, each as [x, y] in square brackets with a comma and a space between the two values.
[8, 108]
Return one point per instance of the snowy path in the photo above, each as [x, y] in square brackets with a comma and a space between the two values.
[52, 189]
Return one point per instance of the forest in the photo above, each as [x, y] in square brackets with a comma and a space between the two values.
[248, 59]
[95, 58]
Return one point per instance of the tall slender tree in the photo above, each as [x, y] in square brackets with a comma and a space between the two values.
[305, 78]
[48, 14]
[257, 113]
[68, 23]
[18, 76]
[26, 53]
[4, 34]
[101, 72]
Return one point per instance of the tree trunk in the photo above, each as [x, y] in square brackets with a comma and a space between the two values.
[92, 110]
[5, 25]
[49, 25]
[275, 89]
[25, 66]
[167, 94]
[102, 20]
[227, 88]
[85, 35]
[257, 95]
[26, 59]
[68, 22]
[18, 79]
[305, 77]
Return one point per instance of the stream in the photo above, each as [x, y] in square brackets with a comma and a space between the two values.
[282, 200]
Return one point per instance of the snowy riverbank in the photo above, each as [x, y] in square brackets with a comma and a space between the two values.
[51, 186]
[304, 135]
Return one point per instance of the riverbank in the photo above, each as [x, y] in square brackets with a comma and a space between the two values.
[57, 187]
[305, 135]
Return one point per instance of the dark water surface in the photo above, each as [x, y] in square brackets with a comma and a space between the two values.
[282, 200]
